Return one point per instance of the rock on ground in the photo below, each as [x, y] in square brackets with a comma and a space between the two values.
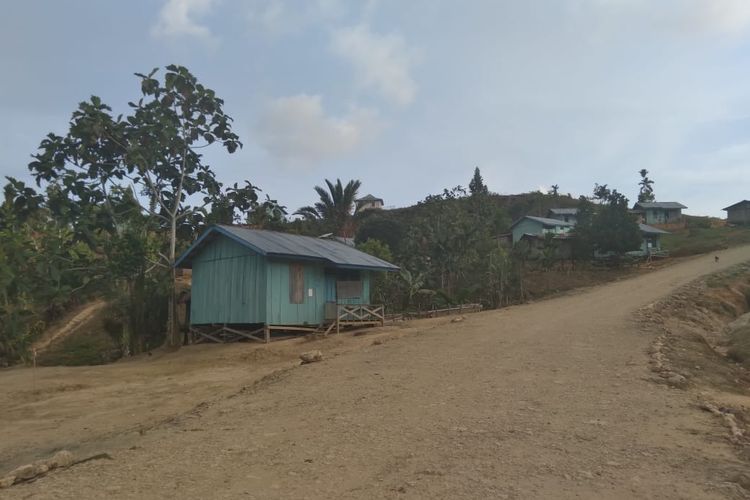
[311, 357]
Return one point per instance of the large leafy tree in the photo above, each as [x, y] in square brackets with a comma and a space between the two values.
[335, 208]
[154, 152]
[614, 230]
[583, 245]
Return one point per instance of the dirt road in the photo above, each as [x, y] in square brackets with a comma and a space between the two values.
[546, 400]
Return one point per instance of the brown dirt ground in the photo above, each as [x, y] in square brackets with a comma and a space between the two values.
[547, 400]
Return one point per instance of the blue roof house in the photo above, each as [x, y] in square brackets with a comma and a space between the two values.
[248, 281]
[563, 214]
[659, 212]
[538, 226]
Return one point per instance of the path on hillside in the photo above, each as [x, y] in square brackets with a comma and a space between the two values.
[546, 400]
[69, 325]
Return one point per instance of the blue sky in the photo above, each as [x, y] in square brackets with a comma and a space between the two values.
[410, 96]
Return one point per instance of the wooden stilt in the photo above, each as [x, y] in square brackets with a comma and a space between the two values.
[267, 333]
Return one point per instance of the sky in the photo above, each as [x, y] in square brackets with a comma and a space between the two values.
[410, 96]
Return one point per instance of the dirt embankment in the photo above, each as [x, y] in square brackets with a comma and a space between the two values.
[702, 335]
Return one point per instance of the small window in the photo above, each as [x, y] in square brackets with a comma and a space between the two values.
[349, 289]
[296, 283]
[348, 275]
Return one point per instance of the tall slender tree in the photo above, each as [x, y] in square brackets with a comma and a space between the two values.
[477, 186]
[646, 192]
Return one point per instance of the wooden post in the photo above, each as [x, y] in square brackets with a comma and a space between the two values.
[267, 333]
[33, 372]
[338, 319]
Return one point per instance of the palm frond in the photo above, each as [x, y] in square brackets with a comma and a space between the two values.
[308, 213]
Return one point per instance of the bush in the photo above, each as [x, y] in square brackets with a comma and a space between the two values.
[91, 348]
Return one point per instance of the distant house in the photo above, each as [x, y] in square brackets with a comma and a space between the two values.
[369, 202]
[739, 213]
[651, 240]
[536, 226]
[255, 280]
[659, 212]
[650, 246]
[563, 214]
[533, 231]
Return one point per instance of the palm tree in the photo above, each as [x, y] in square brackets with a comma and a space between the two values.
[646, 192]
[335, 207]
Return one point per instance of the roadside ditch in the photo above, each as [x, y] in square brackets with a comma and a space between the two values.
[702, 345]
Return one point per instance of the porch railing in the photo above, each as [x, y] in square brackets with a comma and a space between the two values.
[359, 314]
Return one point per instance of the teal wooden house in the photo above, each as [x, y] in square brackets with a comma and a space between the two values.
[248, 281]
[530, 225]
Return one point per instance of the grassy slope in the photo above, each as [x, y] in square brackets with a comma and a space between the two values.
[88, 345]
[704, 235]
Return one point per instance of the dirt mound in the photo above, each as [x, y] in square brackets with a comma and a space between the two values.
[703, 336]
[738, 333]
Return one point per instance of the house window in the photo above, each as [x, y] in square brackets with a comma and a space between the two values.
[296, 283]
[349, 284]
[348, 275]
[349, 289]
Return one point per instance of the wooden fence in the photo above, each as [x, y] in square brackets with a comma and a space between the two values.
[435, 313]
[359, 315]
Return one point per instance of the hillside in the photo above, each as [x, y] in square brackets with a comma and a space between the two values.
[703, 235]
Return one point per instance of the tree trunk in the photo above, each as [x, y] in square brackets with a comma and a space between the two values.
[173, 334]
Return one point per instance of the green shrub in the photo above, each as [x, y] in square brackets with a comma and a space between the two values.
[92, 348]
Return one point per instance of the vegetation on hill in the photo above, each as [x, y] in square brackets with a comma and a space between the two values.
[702, 235]
[455, 247]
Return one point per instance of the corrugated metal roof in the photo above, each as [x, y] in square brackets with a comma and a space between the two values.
[555, 236]
[736, 204]
[369, 197]
[659, 204]
[563, 211]
[290, 246]
[651, 230]
[544, 221]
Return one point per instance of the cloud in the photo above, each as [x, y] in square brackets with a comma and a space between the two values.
[176, 20]
[280, 17]
[729, 18]
[381, 62]
[297, 130]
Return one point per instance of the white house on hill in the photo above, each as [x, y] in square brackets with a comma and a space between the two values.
[369, 202]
